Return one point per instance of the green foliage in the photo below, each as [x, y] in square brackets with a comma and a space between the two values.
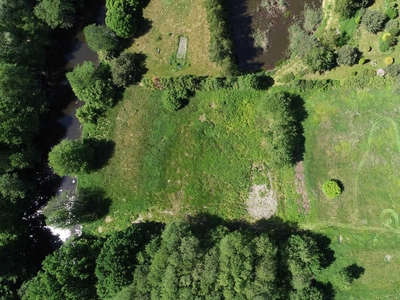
[392, 12]
[174, 99]
[120, 17]
[56, 13]
[72, 157]
[100, 38]
[67, 273]
[331, 189]
[387, 42]
[393, 27]
[12, 187]
[126, 69]
[94, 86]
[283, 135]
[221, 48]
[312, 17]
[361, 61]
[373, 20]
[347, 55]
[118, 257]
[310, 50]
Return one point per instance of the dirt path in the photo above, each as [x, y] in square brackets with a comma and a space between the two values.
[329, 15]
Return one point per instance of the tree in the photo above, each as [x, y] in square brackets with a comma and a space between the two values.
[56, 12]
[331, 189]
[120, 17]
[373, 20]
[100, 38]
[68, 272]
[117, 260]
[72, 157]
[347, 56]
[12, 186]
[126, 69]
[347, 8]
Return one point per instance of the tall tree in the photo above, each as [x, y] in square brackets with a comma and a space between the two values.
[56, 13]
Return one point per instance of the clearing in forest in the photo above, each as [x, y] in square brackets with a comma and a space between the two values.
[165, 21]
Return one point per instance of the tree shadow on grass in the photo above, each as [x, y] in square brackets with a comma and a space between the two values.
[353, 272]
[103, 151]
[92, 205]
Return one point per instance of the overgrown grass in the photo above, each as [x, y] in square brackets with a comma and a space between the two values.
[202, 158]
[352, 136]
[166, 20]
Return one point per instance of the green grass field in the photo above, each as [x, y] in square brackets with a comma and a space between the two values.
[166, 21]
[203, 158]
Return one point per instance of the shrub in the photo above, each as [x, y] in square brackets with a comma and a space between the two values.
[72, 157]
[126, 69]
[221, 48]
[174, 99]
[387, 42]
[392, 13]
[312, 17]
[389, 60]
[288, 77]
[331, 189]
[392, 26]
[361, 61]
[373, 20]
[347, 55]
[367, 48]
[100, 38]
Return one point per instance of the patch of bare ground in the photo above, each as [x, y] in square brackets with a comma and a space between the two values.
[262, 202]
[301, 188]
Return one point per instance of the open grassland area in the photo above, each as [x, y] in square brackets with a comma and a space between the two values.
[203, 158]
[165, 21]
[353, 136]
[374, 258]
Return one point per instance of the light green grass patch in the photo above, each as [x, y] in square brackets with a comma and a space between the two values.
[352, 136]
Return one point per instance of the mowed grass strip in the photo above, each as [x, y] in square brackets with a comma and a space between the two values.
[352, 136]
[201, 158]
[165, 21]
[377, 257]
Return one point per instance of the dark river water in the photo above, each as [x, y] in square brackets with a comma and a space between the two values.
[247, 16]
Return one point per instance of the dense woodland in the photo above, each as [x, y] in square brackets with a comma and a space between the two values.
[195, 258]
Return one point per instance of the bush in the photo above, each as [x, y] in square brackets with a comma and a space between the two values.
[100, 38]
[331, 189]
[393, 27]
[347, 8]
[373, 20]
[288, 77]
[221, 48]
[312, 17]
[347, 56]
[72, 157]
[387, 42]
[392, 13]
[389, 60]
[361, 61]
[174, 99]
[126, 69]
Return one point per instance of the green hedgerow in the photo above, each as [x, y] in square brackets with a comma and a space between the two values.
[331, 189]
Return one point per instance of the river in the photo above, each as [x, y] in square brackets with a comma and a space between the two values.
[248, 16]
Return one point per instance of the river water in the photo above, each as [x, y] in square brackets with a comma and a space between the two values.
[248, 16]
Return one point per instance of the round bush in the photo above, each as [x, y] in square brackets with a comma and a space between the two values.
[389, 60]
[373, 20]
[347, 55]
[331, 189]
[393, 27]
[392, 12]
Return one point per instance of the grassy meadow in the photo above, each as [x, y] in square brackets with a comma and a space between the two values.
[203, 158]
[164, 22]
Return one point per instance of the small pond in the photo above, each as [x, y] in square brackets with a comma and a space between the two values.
[249, 17]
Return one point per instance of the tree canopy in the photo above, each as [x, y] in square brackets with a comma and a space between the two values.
[56, 13]
[100, 38]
